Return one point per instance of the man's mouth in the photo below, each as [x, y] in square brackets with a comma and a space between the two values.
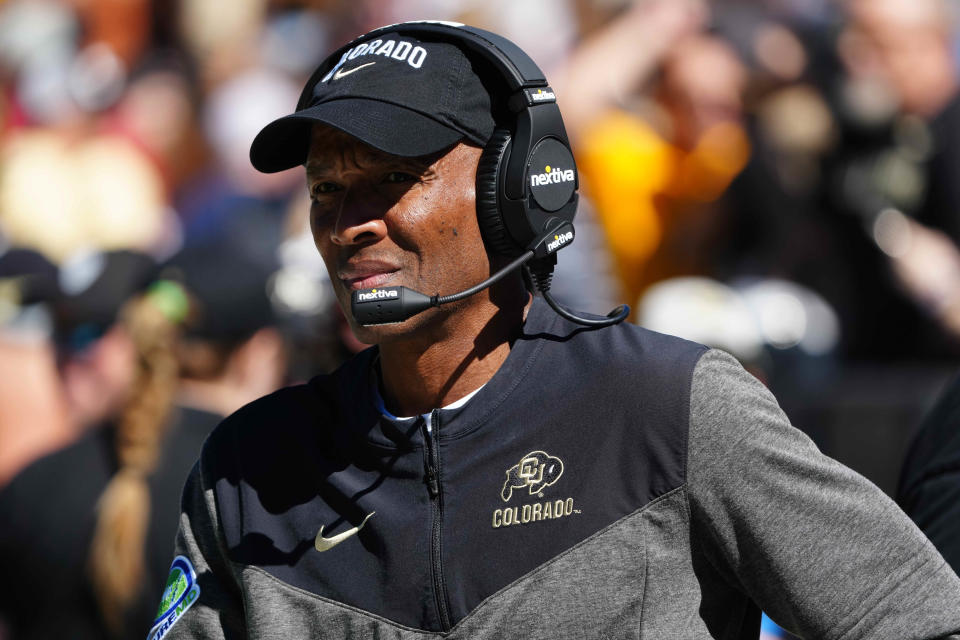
[366, 274]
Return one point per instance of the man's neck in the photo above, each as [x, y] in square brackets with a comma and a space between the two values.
[420, 374]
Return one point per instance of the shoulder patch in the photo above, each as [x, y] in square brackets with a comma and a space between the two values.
[181, 592]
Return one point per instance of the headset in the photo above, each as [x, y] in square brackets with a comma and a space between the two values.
[527, 179]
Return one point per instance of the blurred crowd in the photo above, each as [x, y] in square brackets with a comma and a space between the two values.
[774, 178]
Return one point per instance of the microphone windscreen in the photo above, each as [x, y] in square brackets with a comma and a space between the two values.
[387, 305]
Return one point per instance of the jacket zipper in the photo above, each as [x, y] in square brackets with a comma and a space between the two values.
[432, 480]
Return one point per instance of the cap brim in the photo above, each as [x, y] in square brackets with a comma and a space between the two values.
[284, 143]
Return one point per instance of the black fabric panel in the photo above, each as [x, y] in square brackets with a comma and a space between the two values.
[611, 405]
[300, 465]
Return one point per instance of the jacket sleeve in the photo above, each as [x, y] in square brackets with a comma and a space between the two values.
[818, 547]
[215, 609]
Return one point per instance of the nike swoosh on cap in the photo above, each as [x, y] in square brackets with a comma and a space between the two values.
[341, 73]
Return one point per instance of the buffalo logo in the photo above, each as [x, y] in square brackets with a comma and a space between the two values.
[535, 471]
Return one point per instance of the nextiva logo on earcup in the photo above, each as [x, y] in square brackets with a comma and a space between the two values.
[551, 174]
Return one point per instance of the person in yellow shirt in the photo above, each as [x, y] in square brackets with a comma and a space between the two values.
[645, 189]
[647, 169]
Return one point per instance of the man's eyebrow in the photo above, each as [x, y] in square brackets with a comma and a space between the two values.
[313, 166]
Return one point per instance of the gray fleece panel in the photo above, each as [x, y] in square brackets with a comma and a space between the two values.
[763, 516]
[218, 613]
[598, 589]
[820, 548]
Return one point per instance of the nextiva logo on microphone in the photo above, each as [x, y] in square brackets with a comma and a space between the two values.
[387, 305]
[559, 240]
[378, 294]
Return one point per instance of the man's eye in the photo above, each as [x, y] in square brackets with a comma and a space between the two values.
[324, 187]
[396, 177]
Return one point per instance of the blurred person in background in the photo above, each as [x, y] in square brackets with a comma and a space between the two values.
[772, 249]
[158, 113]
[33, 412]
[843, 190]
[900, 179]
[907, 48]
[94, 192]
[88, 529]
[658, 133]
[69, 180]
[860, 206]
[95, 353]
[95, 361]
[228, 187]
[231, 350]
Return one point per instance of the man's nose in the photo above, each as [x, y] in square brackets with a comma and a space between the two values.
[361, 219]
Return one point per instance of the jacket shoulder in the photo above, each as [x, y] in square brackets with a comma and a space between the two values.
[629, 349]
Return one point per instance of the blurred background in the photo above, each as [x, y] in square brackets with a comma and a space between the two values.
[775, 178]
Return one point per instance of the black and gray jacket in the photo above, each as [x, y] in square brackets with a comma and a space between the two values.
[612, 483]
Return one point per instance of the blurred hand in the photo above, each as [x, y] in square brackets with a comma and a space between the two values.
[927, 264]
[671, 20]
[618, 58]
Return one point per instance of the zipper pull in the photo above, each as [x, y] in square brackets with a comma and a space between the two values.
[432, 484]
[430, 436]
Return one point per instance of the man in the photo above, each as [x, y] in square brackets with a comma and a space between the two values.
[568, 481]
[33, 412]
[906, 49]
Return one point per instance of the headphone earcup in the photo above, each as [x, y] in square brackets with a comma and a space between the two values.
[489, 216]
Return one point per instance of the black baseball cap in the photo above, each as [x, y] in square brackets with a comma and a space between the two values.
[405, 96]
[27, 276]
[94, 287]
[228, 294]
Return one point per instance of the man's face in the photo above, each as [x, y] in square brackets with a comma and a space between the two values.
[384, 220]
